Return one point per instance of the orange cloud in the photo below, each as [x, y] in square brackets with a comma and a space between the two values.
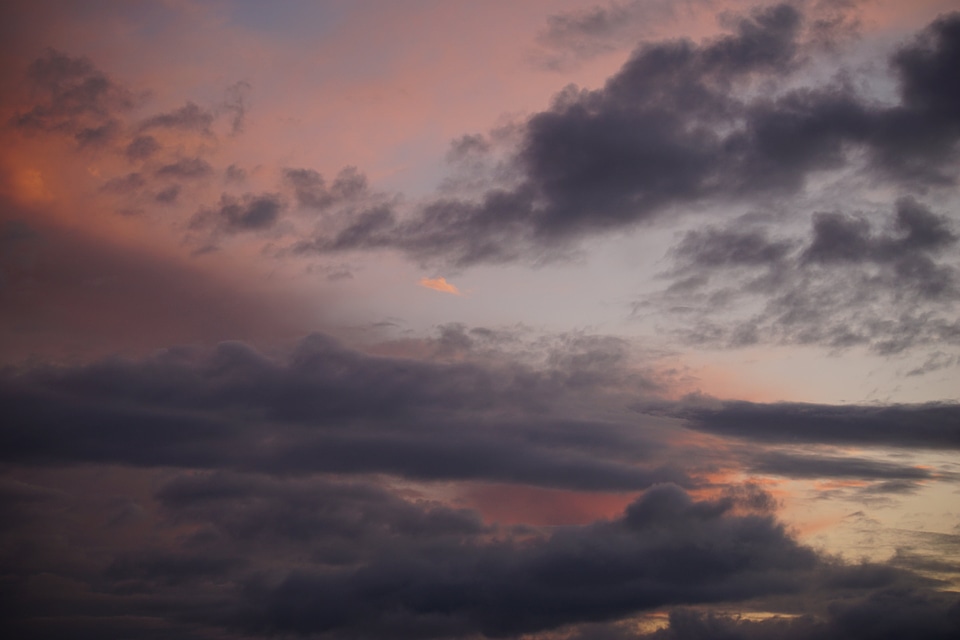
[440, 284]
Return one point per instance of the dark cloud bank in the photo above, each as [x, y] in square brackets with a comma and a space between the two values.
[257, 496]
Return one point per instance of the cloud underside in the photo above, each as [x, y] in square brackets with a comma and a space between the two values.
[271, 486]
[263, 557]
[743, 120]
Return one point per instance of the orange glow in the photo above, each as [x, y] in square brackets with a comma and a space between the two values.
[441, 285]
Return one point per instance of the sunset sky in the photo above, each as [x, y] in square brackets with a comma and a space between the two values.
[551, 319]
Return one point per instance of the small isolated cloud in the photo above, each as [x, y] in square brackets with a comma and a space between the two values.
[441, 285]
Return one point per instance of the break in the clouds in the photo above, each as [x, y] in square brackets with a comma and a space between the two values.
[682, 239]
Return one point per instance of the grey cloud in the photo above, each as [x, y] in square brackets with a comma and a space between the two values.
[935, 426]
[728, 248]
[837, 238]
[883, 615]
[269, 556]
[675, 128]
[189, 117]
[236, 174]
[168, 195]
[332, 409]
[75, 98]
[856, 280]
[186, 169]
[234, 215]
[340, 522]
[665, 549]
[312, 192]
[142, 148]
[261, 556]
[827, 466]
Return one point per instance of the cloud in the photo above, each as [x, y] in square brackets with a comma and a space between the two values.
[666, 548]
[333, 409]
[580, 34]
[189, 117]
[778, 463]
[885, 614]
[933, 426]
[142, 148]
[890, 285]
[186, 169]
[439, 284]
[681, 125]
[235, 215]
[312, 192]
[74, 98]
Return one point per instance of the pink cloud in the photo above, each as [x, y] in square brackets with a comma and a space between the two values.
[441, 285]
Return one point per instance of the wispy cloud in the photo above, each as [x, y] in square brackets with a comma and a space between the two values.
[440, 284]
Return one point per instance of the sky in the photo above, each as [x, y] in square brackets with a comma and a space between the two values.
[545, 320]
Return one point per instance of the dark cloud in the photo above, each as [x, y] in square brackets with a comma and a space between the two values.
[330, 408]
[278, 556]
[234, 215]
[259, 556]
[665, 549]
[312, 192]
[886, 614]
[75, 98]
[856, 280]
[168, 195]
[341, 523]
[142, 148]
[233, 173]
[827, 466]
[186, 169]
[582, 34]
[677, 127]
[933, 426]
[189, 117]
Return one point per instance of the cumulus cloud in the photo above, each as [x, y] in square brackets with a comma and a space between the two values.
[680, 125]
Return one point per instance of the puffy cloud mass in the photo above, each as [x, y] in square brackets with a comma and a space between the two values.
[685, 124]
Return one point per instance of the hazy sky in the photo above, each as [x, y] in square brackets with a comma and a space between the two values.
[441, 319]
